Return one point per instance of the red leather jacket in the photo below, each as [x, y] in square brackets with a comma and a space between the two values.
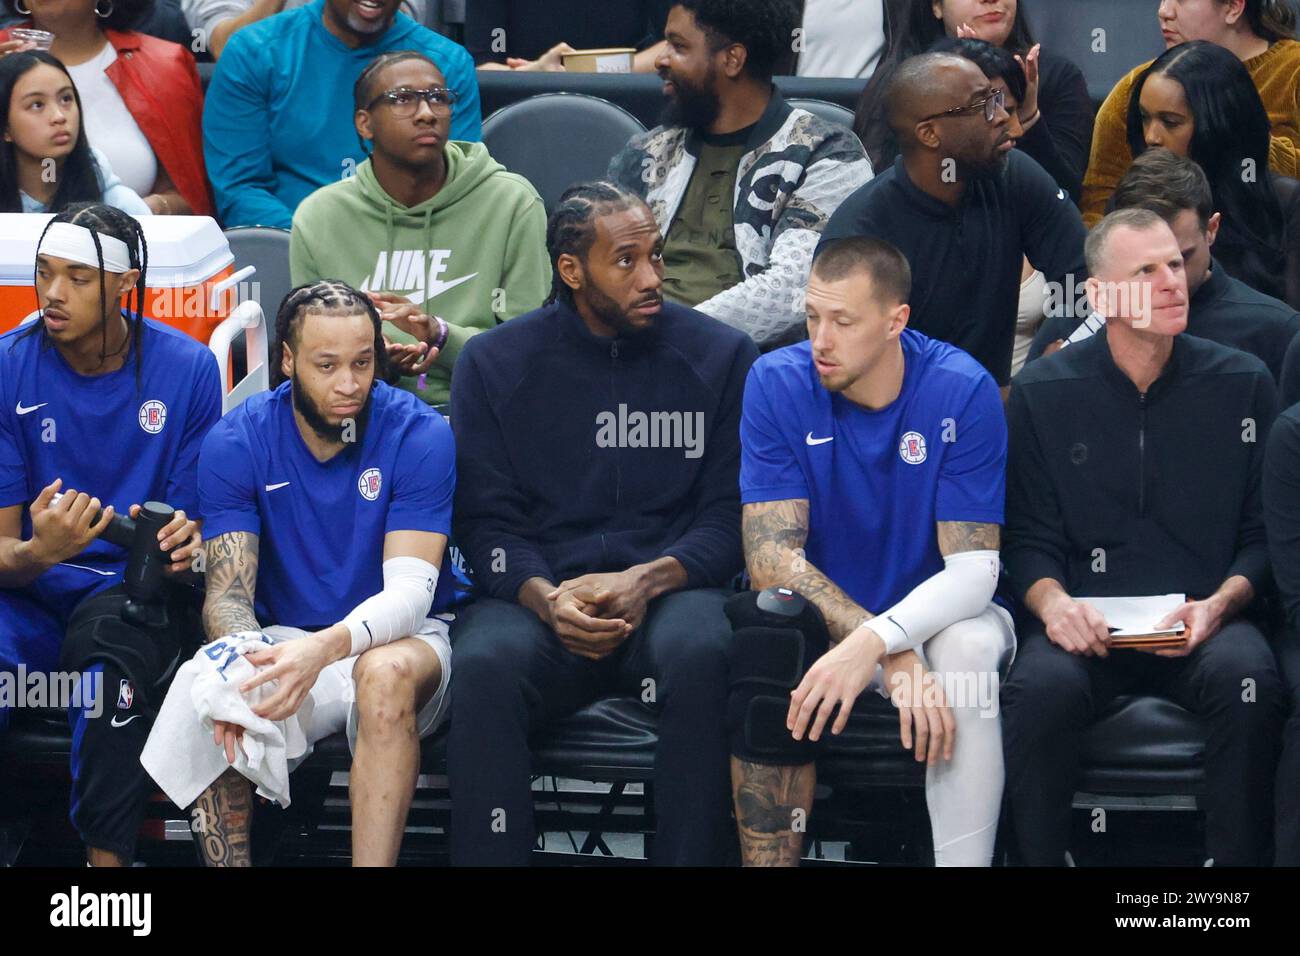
[159, 84]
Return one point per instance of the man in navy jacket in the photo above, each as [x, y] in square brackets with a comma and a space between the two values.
[1134, 470]
[598, 453]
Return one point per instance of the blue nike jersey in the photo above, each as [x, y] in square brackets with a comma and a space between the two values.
[321, 525]
[122, 442]
[877, 481]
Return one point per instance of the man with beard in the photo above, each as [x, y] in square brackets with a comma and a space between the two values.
[328, 505]
[965, 208]
[598, 507]
[275, 127]
[741, 184]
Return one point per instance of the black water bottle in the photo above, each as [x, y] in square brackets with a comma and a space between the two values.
[146, 561]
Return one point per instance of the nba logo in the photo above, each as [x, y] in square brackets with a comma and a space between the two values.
[369, 483]
[911, 448]
[125, 695]
[153, 415]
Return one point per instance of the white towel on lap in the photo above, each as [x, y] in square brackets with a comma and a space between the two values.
[180, 754]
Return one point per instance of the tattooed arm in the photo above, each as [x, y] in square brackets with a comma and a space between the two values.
[774, 534]
[224, 810]
[231, 584]
[958, 536]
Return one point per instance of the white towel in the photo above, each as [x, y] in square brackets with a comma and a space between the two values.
[180, 754]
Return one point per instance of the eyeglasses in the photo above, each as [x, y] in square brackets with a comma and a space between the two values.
[996, 100]
[406, 102]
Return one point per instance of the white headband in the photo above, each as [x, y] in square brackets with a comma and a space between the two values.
[68, 241]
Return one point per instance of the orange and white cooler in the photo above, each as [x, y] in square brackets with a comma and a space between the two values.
[188, 255]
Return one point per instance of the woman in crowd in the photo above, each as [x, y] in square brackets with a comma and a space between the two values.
[1260, 33]
[46, 162]
[1198, 100]
[142, 96]
[1055, 111]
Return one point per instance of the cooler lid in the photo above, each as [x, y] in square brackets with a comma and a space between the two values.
[183, 250]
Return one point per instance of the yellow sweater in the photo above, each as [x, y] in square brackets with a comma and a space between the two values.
[1276, 73]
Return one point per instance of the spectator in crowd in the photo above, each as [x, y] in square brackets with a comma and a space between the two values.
[899, 558]
[217, 20]
[1198, 100]
[1282, 519]
[1054, 110]
[1135, 470]
[841, 38]
[276, 125]
[153, 142]
[597, 503]
[431, 225]
[1219, 307]
[337, 541]
[535, 34]
[129, 401]
[741, 183]
[43, 123]
[965, 207]
[1006, 74]
[1260, 33]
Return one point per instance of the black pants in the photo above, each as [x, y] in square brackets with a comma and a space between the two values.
[512, 676]
[1287, 792]
[1231, 682]
[110, 788]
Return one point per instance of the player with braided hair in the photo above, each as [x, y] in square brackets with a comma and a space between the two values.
[327, 505]
[85, 377]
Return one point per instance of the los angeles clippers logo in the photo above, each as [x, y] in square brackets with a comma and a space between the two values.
[369, 483]
[153, 416]
[911, 448]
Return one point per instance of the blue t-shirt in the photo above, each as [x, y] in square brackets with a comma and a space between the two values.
[877, 481]
[321, 525]
[105, 435]
[278, 116]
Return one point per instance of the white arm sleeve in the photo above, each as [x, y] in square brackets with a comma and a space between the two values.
[963, 589]
[399, 609]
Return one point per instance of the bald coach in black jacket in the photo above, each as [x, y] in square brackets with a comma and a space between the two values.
[1134, 469]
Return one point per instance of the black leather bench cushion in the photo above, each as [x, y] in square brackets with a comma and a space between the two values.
[1143, 744]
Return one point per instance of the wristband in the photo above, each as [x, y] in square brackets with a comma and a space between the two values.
[443, 332]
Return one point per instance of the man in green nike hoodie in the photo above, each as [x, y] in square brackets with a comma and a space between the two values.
[444, 239]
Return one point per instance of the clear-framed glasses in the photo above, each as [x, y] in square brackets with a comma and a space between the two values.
[405, 102]
[996, 100]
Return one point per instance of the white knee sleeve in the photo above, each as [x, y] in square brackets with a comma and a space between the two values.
[964, 795]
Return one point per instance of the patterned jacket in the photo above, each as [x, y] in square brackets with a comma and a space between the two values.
[796, 171]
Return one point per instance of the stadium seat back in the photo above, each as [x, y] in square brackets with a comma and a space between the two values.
[266, 248]
[1104, 38]
[557, 139]
[831, 112]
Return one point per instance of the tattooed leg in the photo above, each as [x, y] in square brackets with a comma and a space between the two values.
[772, 807]
[223, 814]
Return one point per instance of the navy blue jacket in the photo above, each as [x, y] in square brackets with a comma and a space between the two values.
[557, 470]
[1165, 487]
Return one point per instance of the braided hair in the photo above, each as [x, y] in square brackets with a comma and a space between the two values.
[110, 221]
[332, 297]
[571, 226]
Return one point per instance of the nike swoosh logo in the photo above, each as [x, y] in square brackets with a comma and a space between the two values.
[123, 723]
[23, 411]
[277, 487]
[818, 441]
[438, 288]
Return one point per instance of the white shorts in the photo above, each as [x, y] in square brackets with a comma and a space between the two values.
[334, 695]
